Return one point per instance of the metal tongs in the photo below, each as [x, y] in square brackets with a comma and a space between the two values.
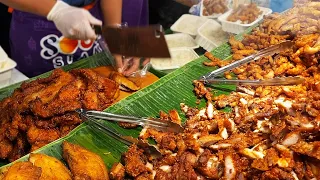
[284, 81]
[265, 52]
[91, 118]
[158, 124]
[211, 78]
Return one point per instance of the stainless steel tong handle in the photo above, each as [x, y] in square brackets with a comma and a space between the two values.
[127, 140]
[285, 81]
[265, 52]
[165, 126]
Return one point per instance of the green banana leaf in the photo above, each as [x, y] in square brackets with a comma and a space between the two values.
[165, 94]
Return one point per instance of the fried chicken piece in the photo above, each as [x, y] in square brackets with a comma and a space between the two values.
[311, 149]
[53, 85]
[201, 90]
[277, 173]
[214, 61]
[99, 92]
[46, 136]
[20, 148]
[6, 148]
[184, 168]
[66, 100]
[83, 163]
[51, 168]
[22, 171]
[209, 166]
[135, 161]
[117, 172]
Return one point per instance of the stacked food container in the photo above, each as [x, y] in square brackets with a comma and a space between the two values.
[6, 67]
[209, 30]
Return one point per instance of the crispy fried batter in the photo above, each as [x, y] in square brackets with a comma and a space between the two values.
[52, 168]
[211, 7]
[44, 109]
[117, 172]
[84, 164]
[245, 13]
[22, 171]
[135, 161]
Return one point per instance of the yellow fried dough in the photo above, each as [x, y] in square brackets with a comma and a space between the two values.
[22, 171]
[52, 168]
[83, 163]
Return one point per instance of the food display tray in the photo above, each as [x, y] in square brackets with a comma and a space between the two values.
[210, 35]
[180, 40]
[6, 67]
[179, 57]
[237, 27]
[188, 24]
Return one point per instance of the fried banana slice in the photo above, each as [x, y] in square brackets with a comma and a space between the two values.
[22, 171]
[52, 168]
[84, 164]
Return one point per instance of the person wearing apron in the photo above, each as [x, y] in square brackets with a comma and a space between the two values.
[41, 42]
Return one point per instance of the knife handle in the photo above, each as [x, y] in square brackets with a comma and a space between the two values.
[97, 29]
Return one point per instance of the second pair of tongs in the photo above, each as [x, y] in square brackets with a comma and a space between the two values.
[284, 81]
[265, 52]
[127, 140]
[158, 124]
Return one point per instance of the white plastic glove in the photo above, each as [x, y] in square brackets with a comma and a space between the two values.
[73, 22]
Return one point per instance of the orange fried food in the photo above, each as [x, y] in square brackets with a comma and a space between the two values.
[117, 172]
[66, 100]
[245, 13]
[135, 162]
[22, 171]
[214, 60]
[214, 7]
[37, 136]
[99, 92]
[51, 168]
[83, 163]
[43, 110]
[125, 83]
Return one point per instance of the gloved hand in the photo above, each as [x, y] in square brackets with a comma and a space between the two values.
[128, 66]
[73, 22]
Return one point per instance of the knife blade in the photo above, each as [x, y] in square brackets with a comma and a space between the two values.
[148, 41]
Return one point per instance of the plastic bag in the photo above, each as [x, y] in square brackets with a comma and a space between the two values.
[195, 9]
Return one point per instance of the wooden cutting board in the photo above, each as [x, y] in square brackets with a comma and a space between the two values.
[142, 82]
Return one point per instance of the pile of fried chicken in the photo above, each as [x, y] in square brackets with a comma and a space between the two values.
[82, 163]
[271, 132]
[246, 14]
[211, 7]
[43, 110]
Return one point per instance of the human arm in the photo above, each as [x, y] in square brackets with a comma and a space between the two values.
[112, 11]
[112, 15]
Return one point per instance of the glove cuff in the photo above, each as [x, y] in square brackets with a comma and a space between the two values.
[56, 9]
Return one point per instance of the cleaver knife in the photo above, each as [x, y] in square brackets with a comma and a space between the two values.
[147, 41]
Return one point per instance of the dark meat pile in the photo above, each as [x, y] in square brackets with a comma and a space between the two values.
[42, 111]
[271, 132]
